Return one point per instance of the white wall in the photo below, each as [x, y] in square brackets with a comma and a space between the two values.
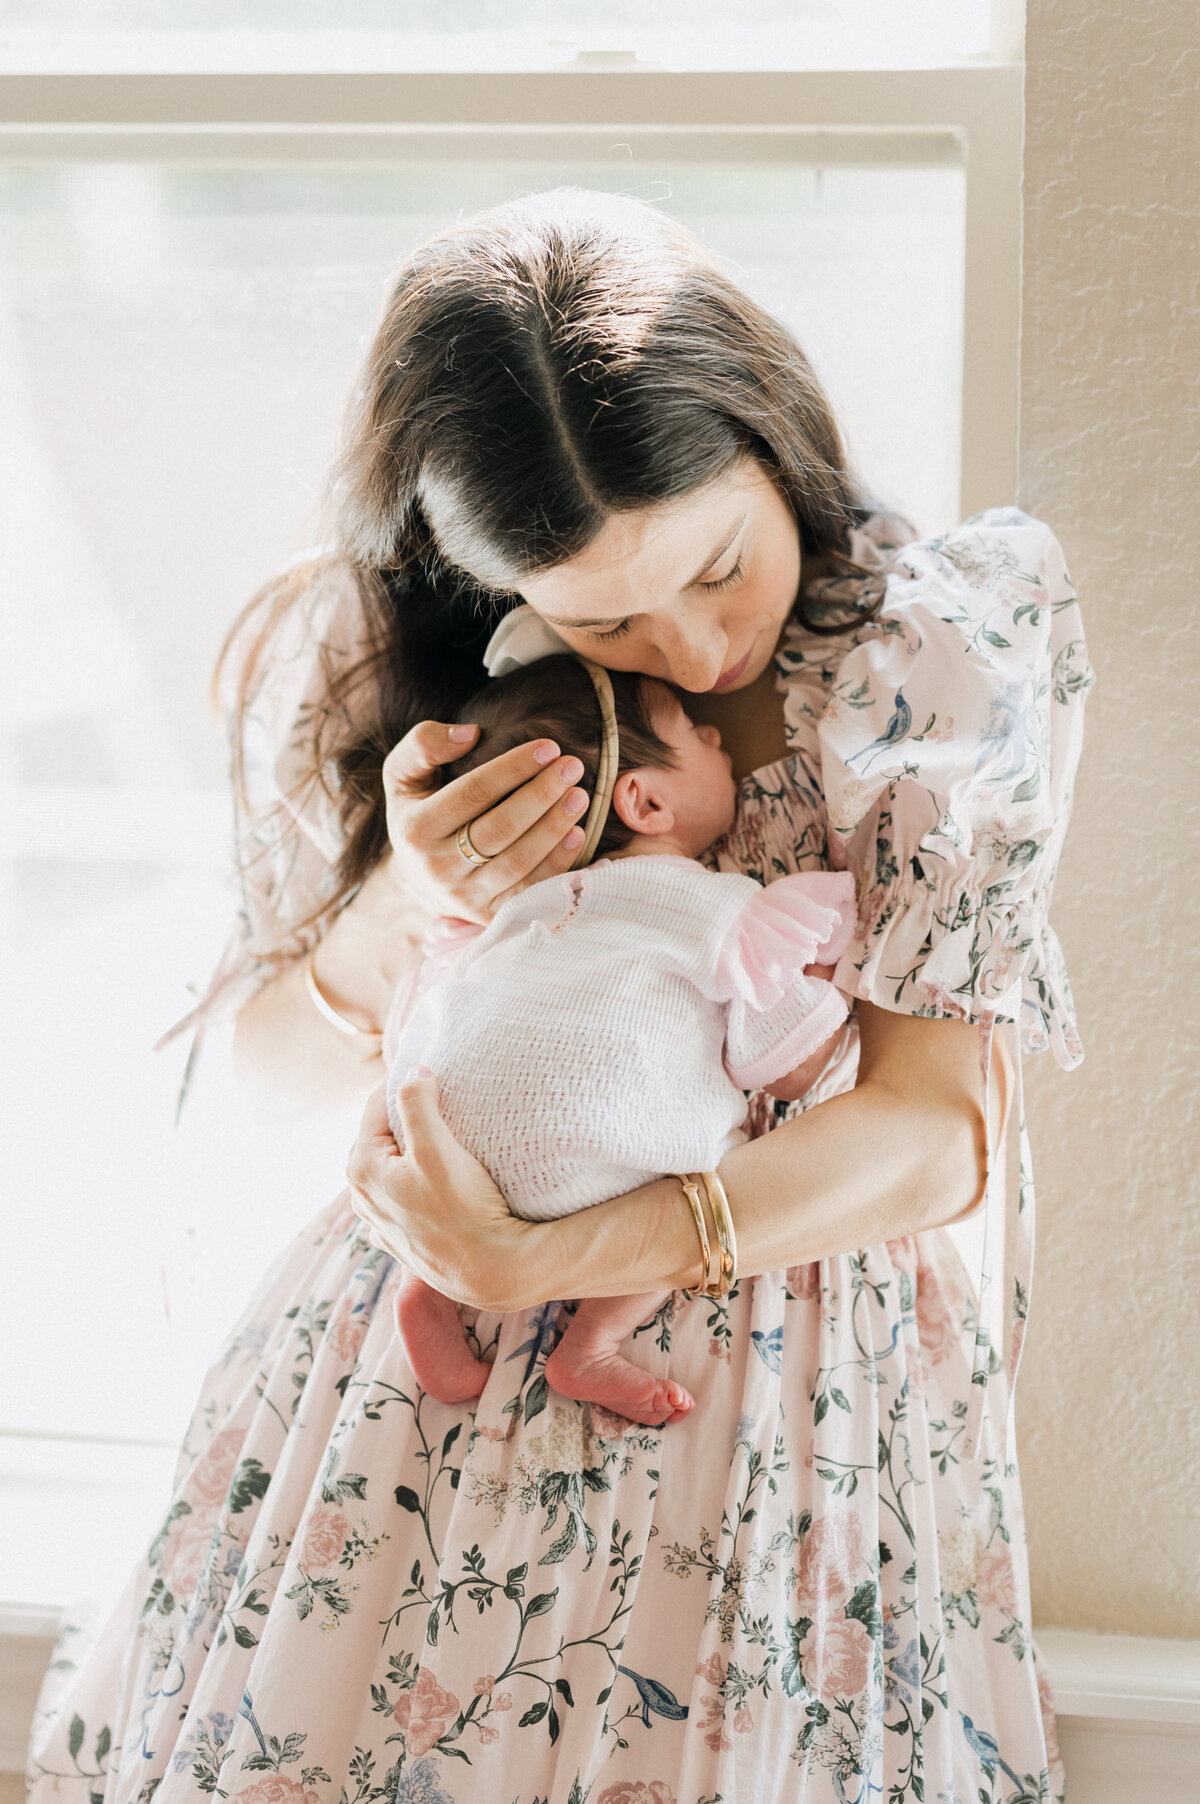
[1109, 1402]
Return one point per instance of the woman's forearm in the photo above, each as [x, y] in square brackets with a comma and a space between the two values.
[902, 1152]
[288, 1059]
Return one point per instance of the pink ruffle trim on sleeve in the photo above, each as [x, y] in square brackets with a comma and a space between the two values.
[795, 921]
[762, 1047]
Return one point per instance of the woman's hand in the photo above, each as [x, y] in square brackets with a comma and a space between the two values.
[434, 1207]
[521, 809]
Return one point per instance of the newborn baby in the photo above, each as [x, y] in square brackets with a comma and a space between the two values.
[604, 1028]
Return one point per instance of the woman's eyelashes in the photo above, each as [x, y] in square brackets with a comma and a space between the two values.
[721, 582]
[726, 582]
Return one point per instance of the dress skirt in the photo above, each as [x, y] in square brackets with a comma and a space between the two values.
[357, 1593]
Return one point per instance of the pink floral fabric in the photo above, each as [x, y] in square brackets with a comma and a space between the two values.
[801, 1592]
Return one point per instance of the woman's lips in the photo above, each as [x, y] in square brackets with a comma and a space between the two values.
[733, 673]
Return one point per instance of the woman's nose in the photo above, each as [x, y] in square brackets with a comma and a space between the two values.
[694, 664]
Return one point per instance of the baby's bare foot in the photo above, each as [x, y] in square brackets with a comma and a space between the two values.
[594, 1374]
[442, 1362]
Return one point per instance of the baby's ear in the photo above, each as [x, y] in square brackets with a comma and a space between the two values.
[640, 803]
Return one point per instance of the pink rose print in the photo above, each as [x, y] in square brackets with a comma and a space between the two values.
[717, 1737]
[713, 1669]
[636, 1791]
[483, 1685]
[424, 1712]
[1049, 1721]
[210, 1481]
[904, 1254]
[833, 1561]
[995, 1582]
[323, 1537]
[502, 1700]
[488, 1732]
[743, 1722]
[939, 1315]
[188, 1541]
[275, 1788]
[718, 1350]
[346, 1332]
[835, 1658]
[804, 1281]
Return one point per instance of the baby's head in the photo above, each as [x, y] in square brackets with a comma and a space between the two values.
[674, 791]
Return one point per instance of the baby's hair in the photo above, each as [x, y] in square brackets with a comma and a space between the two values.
[555, 698]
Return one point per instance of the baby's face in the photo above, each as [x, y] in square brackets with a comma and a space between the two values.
[700, 789]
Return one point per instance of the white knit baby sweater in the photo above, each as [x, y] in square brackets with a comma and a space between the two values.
[603, 1029]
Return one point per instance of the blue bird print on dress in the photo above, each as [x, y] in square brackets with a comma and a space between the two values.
[656, 1697]
[246, 1709]
[984, 1747]
[898, 728]
[769, 1348]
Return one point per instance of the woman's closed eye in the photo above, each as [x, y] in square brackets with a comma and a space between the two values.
[612, 632]
[726, 582]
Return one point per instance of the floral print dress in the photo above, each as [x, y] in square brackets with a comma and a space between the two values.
[807, 1590]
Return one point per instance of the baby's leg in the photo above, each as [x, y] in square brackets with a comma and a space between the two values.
[442, 1362]
[586, 1363]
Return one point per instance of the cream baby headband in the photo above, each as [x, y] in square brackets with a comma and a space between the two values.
[523, 637]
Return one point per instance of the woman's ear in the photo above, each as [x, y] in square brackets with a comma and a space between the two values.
[640, 803]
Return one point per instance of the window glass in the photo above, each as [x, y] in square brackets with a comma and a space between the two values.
[777, 33]
[176, 344]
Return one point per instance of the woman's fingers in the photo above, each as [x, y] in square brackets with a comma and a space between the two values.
[520, 779]
[411, 766]
[550, 799]
[417, 1107]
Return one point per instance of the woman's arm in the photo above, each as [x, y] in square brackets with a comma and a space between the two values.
[901, 1152]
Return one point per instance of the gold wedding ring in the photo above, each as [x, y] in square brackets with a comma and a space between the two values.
[462, 840]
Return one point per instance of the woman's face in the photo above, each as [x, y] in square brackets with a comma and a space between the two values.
[695, 591]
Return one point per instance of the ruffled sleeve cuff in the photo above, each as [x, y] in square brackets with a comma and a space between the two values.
[945, 952]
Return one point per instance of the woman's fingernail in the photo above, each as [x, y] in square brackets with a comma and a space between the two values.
[460, 735]
[415, 1073]
[574, 840]
[546, 752]
[571, 771]
[576, 802]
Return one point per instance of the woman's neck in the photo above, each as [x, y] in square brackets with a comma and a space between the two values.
[750, 721]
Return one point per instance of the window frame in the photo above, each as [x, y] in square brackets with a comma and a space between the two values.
[969, 112]
[283, 116]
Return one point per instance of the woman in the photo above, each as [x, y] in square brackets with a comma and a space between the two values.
[816, 1586]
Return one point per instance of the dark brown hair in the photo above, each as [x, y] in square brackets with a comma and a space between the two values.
[536, 369]
[555, 698]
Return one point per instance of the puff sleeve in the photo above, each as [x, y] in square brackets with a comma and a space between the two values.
[948, 753]
[776, 1016]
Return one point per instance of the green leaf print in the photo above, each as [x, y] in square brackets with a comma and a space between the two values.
[407, 1498]
[536, 1397]
[75, 1737]
[249, 1483]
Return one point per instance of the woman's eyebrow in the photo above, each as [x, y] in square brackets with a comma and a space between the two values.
[615, 619]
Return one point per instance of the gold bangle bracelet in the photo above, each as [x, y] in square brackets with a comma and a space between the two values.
[691, 1189]
[718, 1203]
[368, 1040]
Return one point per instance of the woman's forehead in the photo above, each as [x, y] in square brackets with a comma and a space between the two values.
[643, 557]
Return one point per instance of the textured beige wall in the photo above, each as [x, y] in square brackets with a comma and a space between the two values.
[1110, 1397]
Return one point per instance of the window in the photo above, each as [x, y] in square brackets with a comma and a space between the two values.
[196, 228]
